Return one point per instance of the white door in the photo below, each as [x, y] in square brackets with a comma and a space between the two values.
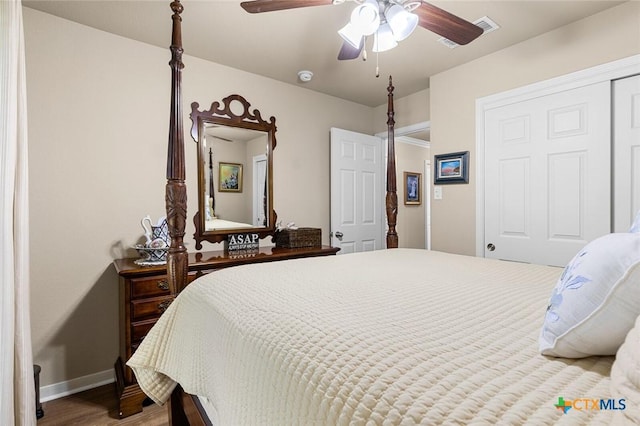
[357, 191]
[547, 175]
[626, 148]
[259, 188]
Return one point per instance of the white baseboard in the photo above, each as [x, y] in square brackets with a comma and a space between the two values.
[79, 384]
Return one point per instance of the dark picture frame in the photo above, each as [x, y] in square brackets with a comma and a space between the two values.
[412, 188]
[230, 177]
[451, 168]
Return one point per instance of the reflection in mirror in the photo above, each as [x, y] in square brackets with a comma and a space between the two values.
[236, 178]
[235, 185]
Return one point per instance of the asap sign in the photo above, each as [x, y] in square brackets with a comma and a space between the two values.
[248, 241]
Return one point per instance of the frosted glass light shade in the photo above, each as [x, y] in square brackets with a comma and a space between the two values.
[384, 39]
[402, 22]
[366, 17]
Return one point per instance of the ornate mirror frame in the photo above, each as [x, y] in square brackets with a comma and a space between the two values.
[233, 112]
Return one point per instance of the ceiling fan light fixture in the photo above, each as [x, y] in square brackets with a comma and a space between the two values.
[351, 35]
[366, 17]
[384, 39]
[402, 22]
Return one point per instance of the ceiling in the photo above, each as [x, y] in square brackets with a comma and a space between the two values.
[279, 44]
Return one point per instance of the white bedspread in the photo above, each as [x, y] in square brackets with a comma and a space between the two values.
[388, 337]
[219, 224]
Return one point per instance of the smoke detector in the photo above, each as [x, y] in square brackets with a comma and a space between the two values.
[305, 76]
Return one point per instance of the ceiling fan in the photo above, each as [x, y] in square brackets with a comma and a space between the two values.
[389, 21]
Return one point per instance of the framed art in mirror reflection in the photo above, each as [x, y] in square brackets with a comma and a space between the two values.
[230, 177]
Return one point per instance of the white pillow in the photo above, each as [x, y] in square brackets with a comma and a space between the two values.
[625, 374]
[635, 226]
[596, 300]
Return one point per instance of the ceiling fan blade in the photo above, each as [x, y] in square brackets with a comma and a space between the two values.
[349, 52]
[446, 24]
[259, 6]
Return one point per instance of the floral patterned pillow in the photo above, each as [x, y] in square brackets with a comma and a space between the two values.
[596, 299]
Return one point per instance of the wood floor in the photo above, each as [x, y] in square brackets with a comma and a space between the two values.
[98, 407]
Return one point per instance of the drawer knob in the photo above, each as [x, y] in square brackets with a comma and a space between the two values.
[164, 305]
[163, 285]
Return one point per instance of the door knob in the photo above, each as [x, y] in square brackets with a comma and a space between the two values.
[491, 247]
[339, 235]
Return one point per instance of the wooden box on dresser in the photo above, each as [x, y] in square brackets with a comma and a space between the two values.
[145, 295]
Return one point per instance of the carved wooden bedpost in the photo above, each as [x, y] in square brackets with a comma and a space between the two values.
[392, 198]
[176, 189]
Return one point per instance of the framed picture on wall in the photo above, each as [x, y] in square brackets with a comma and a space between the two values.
[230, 177]
[412, 188]
[452, 168]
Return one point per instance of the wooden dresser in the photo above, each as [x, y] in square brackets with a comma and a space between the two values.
[145, 295]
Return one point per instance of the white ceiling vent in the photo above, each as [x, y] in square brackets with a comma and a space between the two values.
[450, 44]
[486, 23]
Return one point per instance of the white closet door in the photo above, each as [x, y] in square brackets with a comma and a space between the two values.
[626, 148]
[547, 175]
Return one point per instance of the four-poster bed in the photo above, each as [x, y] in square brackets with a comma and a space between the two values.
[392, 336]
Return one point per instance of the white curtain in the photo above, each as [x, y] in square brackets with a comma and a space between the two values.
[17, 395]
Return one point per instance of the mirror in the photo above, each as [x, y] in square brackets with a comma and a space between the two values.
[235, 157]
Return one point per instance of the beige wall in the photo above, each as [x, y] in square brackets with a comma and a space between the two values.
[408, 110]
[607, 36]
[411, 218]
[98, 108]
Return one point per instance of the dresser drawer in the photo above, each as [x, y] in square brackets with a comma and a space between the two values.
[150, 307]
[139, 330]
[153, 286]
[149, 287]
